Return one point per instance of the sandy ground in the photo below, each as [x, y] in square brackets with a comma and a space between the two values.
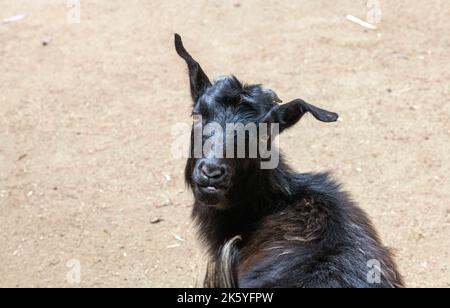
[86, 128]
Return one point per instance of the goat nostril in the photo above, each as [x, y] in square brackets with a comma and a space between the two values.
[204, 171]
[222, 170]
[212, 171]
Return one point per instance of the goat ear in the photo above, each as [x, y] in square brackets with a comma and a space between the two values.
[199, 81]
[290, 113]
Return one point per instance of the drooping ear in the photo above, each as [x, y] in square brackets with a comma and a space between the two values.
[199, 81]
[290, 113]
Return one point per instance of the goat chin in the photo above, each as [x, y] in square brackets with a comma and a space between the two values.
[219, 206]
[223, 272]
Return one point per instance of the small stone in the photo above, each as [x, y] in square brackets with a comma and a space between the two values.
[173, 246]
[156, 221]
[22, 157]
[14, 18]
[179, 238]
[46, 41]
[166, 202]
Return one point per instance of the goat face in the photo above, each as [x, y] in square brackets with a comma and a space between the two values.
[233, 124]
[228, 131]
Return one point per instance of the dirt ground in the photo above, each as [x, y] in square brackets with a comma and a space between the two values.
[86, 127]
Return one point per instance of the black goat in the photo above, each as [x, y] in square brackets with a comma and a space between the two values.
[274, 227]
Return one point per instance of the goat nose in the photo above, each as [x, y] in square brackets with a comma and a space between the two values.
[213, 171]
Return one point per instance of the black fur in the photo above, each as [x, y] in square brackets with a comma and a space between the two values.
[296, 230]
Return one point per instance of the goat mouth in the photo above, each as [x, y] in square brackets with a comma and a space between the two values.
[210, 194]
[210, 189]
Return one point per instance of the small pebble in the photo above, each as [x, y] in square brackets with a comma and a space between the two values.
[179, 238]
[173, 246]
[22, 157]
[14, 19]
[166, 202]
[46, 41]
[156, 221]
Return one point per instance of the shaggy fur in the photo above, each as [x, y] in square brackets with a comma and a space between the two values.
[277, 228]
